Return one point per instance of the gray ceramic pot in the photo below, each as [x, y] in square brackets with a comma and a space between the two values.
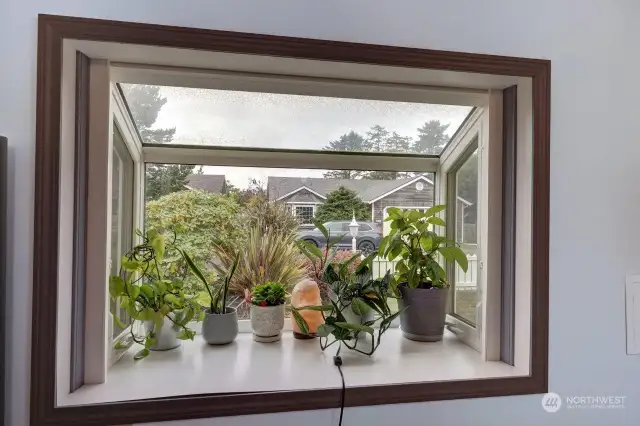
[220, 329]
[423, 313]
[166, 337]
[267, 323]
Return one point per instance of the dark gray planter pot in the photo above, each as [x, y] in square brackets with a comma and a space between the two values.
[165, 337]
[423, 313]
[220, 329]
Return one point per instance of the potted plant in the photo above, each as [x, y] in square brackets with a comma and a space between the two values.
[419, 277]
[357, 302]
[220, 325]
[267, 311]
[148, 293]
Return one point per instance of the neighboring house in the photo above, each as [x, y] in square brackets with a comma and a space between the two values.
[216, 184]
[304, 195]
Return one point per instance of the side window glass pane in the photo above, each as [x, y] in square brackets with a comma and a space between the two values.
[466, 235]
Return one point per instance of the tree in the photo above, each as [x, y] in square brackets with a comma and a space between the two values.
[341, 205]
[257, 188]
[377, 138]
[202, 217]
[352, 142]
[431, 138]
[145, 103]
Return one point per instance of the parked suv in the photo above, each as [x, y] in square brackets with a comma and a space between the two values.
[368, 239]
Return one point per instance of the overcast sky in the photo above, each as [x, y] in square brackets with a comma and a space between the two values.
[232, 118]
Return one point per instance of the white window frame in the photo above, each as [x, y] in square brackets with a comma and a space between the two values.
[295, 205]
[485, 126]
[177, 154]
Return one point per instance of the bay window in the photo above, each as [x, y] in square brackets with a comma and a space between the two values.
[221, 154]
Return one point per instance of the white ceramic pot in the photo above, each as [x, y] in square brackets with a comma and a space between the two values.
[166, 337]
[267, 323]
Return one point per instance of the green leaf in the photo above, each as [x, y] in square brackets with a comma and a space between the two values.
[359, 307]
[455, 254]
[120, 346]
[116, 286]
[196, 271]
[165, 309]
[170, 298]
[134, 291]
[118, 322]
[434, 210]
[322, 229]
[426, 242]
[355, 327]
[149, 342]
[324, 330]
[310, 248]
[186, 334]
[147, 290]
[201, 316]
[302, 323]
[394, 213]
[147, 314]
[143, 353]
[323, 308]
[130, 265]
[158, 246]
[436, 221]
[158, 321]
[160, 286]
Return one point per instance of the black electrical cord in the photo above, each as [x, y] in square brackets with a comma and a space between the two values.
[337, 361]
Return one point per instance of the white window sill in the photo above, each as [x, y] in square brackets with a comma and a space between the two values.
[247, 366]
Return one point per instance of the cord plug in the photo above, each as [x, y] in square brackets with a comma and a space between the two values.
[337, 361]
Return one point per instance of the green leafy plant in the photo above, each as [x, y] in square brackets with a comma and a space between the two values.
[415, 246]
[350, 289]
[147, 291]
[217, 296]
[267, 255]
[203, 219]
[268, 294]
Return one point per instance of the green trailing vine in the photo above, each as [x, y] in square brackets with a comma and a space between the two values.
[149, 293]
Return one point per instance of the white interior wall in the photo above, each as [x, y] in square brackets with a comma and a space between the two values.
[594, 173]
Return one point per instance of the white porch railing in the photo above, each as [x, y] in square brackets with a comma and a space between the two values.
[467, 280]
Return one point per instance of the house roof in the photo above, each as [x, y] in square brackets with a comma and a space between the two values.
[210, 183]
[368, 189]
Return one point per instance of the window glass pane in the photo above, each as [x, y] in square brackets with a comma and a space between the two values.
[190, 116]
[304, 214]
[223, 204]
[466, 234]
[121, 214]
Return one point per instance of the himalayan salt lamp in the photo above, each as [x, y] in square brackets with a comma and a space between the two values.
[306, 293]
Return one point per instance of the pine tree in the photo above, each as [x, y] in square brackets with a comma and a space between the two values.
[145, 103]
[341, 205]
[352, 142]
[431, 138]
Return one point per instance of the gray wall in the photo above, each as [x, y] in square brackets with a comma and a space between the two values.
[594, 107]
[408, 196]
[302, 196]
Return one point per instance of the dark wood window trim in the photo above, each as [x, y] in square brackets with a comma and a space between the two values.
[51, 32]
[509, 155]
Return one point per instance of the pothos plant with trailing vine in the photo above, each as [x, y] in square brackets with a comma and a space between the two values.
[150, 292]
[356, 291]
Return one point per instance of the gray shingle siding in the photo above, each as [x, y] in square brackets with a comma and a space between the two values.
[302, 196]
[408, 196]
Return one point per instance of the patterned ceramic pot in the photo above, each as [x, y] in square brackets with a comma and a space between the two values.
[267, 323]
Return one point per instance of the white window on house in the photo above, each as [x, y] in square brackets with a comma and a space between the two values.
[304, 214]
